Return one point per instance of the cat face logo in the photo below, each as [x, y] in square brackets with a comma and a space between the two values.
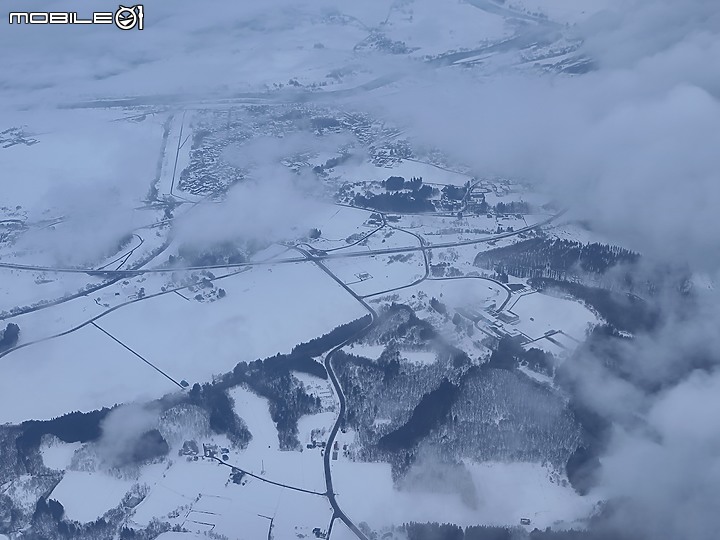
[127, 18]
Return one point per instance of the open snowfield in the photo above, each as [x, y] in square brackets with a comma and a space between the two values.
[81, 371]
[58, 455]
[377, 273]
[541, 313]
[505, 493]
[338, 223]
[458, 25]
[88, 495]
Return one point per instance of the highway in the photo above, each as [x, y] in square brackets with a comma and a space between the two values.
[317, 254]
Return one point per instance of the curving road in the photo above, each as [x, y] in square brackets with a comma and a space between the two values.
[337, 511]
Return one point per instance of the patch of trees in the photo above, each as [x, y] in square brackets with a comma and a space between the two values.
[438, 306]
[454, 193]
[281, 364]
[331, 163]
[414, 197]
[399, 323]
[287, 400]
[222, 418]
[322, 344]
[219, 254]
[324, 122]
[426, 416]
[554, 258]
[124, 241]
[149, 446]
[502, 415]
[10, 336]
[397, 183]
[10, 516]
[394, 183]
[510, 353]
[71, 427]
[623, 311]
[597, 533]
[449, 531]
[514, 207]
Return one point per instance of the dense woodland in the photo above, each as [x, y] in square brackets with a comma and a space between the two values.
[399, 408]
[503, 415]
[427, 415]
[553, 258]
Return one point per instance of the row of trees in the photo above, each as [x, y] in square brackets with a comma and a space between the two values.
[449, 531]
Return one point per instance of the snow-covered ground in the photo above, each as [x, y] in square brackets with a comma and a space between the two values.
[199, 496]
[81, 371]
[541, 313]
[86, 496]
[377, 273]
[504, 493]
[57, 454]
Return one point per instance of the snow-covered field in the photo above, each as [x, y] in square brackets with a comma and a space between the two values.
[187, 339]
[541, 313]
[81, 371]
[86, 496]
[377, 273]
[58, 455]
[505, 492]
[201, 497]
